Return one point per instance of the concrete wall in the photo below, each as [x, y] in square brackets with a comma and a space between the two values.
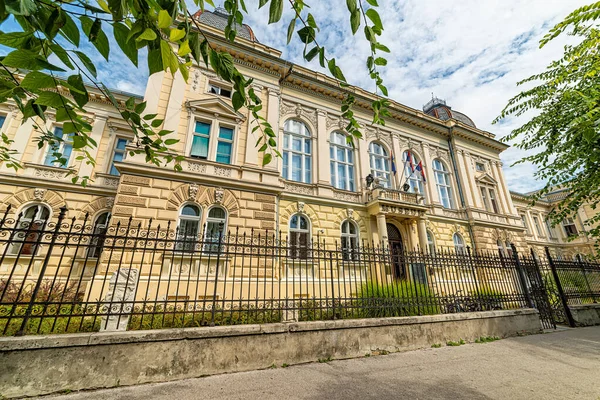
[38, 365]
[586, 314]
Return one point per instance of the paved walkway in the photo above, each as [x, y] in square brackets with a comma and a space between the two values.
[558, 365]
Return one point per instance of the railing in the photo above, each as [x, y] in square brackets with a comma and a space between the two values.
[395, 195]
[577, 280]
[75, 277]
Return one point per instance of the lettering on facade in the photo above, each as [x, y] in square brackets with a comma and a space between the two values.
[402, 211]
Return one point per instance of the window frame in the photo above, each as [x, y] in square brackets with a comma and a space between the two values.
[111, 164]
[444, 174]
[549, 228]
[49, 150]
[459, 246]
[288, 153]
[218, 88]
[349, 183]
[386, 172]
[183, 243]
[26, 226]
[414, 179]
[489, 199]
[298, 251]
[223, 140]
[211, 243]
[572, 224]
[430, 241]
[99, 231]
[349, 251]
[477, 164]
[538, 227]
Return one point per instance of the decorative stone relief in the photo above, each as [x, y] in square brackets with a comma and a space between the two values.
[349, 213]
[301, 206]
[110, 181]
[196, 167]
[50, 174]
[378, 134]
[299, 111]
[300, 189]
[225, 172]
[118, 302]
[39, 194]
[192, 192]
[196, 81]
[219, 195]
[109, 202]
[350, 197]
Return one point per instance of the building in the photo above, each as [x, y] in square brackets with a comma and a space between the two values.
[318, 189]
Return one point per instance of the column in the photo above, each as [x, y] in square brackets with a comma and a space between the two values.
[382, 229]
[432, 195]
[422, 231]
[96, 134]
[21, 139]
[153, 90]
[502, 182]
[321, 161]
[464, 179]
[251, 157]
[273, 119]
[471, 196]
[362, 158]
[175, 105]
[397, 151]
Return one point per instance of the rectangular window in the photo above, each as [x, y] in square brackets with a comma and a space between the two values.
[118, 155]
[570, 227]
[538, 228]
[484, 197]
[219, 90]
[2, 119]
[200, 140]
[62, 146]
[480, 167]
[550, 229]
[524, 219]
[493, 201]
[225, 145]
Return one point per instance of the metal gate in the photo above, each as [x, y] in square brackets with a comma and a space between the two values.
[537, 286]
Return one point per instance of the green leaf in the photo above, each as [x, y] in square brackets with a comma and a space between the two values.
[35, 81]
[121, 32]
[312, 54]
[15, 39]
[261, 3]
[355, 20]
[166, 53]
[164, 19]
[290, 30]
[373, 3]
[148, 34]
[81, 97]
[20, 7]
[380, 61]
[156, 123]
[70, 30]
[275, 11]
[307, 34]
[267, 159]
[351, 4]
[310, 20]
[51, 99]
[170, 142]
[374, 17]
[381, 47]
[94, 32]
[237, 100]
[155, 61]
[175, 35]
[79, 142]
[184, 49]
[62, 55]
[25, 59]
[89, 65]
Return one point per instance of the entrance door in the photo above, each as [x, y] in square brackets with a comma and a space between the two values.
[396, 251]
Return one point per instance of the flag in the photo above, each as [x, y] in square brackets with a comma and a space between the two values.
[420, 168]
[409, 159]
[393, 165]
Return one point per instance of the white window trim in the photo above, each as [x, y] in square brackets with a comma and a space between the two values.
[387, 159]
[113, 144]
[215, 122]
[348, 165]
[349, 236]
[220, 85]
[415, 176]
[459, 248]
[51, 126]
[487, 201]
[449, 186]
[313, 165]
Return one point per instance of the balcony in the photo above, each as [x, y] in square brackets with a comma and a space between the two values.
[395, 202]
[397, 196]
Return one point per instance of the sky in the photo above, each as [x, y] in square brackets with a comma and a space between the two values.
[469, 52]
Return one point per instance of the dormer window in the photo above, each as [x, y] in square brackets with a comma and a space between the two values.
[480, 167]
[214, 89]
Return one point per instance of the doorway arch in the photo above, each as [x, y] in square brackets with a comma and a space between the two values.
[396, 247]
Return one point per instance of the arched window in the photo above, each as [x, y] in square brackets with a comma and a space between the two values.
[342, 162]
[188, 227]
[430, 242]
[509, 250]
[32, 220]
[98, 235]
[297, 162]
[349, 241]
[380, 164]
[215, 228]
[299, 236]
[459, 243]
[413, 178]
[442, 181]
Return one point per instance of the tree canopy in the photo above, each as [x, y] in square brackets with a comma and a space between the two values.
[563, 136]
[174, 41]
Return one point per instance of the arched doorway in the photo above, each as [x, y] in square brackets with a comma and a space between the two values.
[396, 251]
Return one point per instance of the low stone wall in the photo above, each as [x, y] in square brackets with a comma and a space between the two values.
[586, 314]
[35, 365]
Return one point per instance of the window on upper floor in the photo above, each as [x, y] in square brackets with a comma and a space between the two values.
[224, 145]
[30, 223]
[299, 236]
[488, 196]
[341, 154]
[349, 241]
[480, 167]
[538, 227]
[2, 119]
[570, 227]
[119, 154]
[200, 140]
[297, 159]
[459, 244]
[524, 220]
[442, 181]
[203, 147]
[379, 160]
[413, 176]
[550, 229]
[221, 91]
[59, 153]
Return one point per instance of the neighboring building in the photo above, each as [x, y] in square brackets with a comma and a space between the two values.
[319, 186]
[540, 233]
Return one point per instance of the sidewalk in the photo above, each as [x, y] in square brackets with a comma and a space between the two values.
[557, 365]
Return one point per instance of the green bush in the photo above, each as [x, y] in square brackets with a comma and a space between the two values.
[45, 320]
[488, 299]
[395, 299]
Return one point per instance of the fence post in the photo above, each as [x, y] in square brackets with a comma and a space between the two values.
[522, 278]
[559, 287]
[332, 284]
[214, 299]
[55, 233]
[587, 283]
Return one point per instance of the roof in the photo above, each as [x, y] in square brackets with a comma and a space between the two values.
[439, 109]
[218, 19]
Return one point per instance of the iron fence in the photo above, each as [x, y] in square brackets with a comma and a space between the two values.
[73, 276]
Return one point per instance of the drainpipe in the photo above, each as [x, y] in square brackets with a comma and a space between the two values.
[451, 146]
